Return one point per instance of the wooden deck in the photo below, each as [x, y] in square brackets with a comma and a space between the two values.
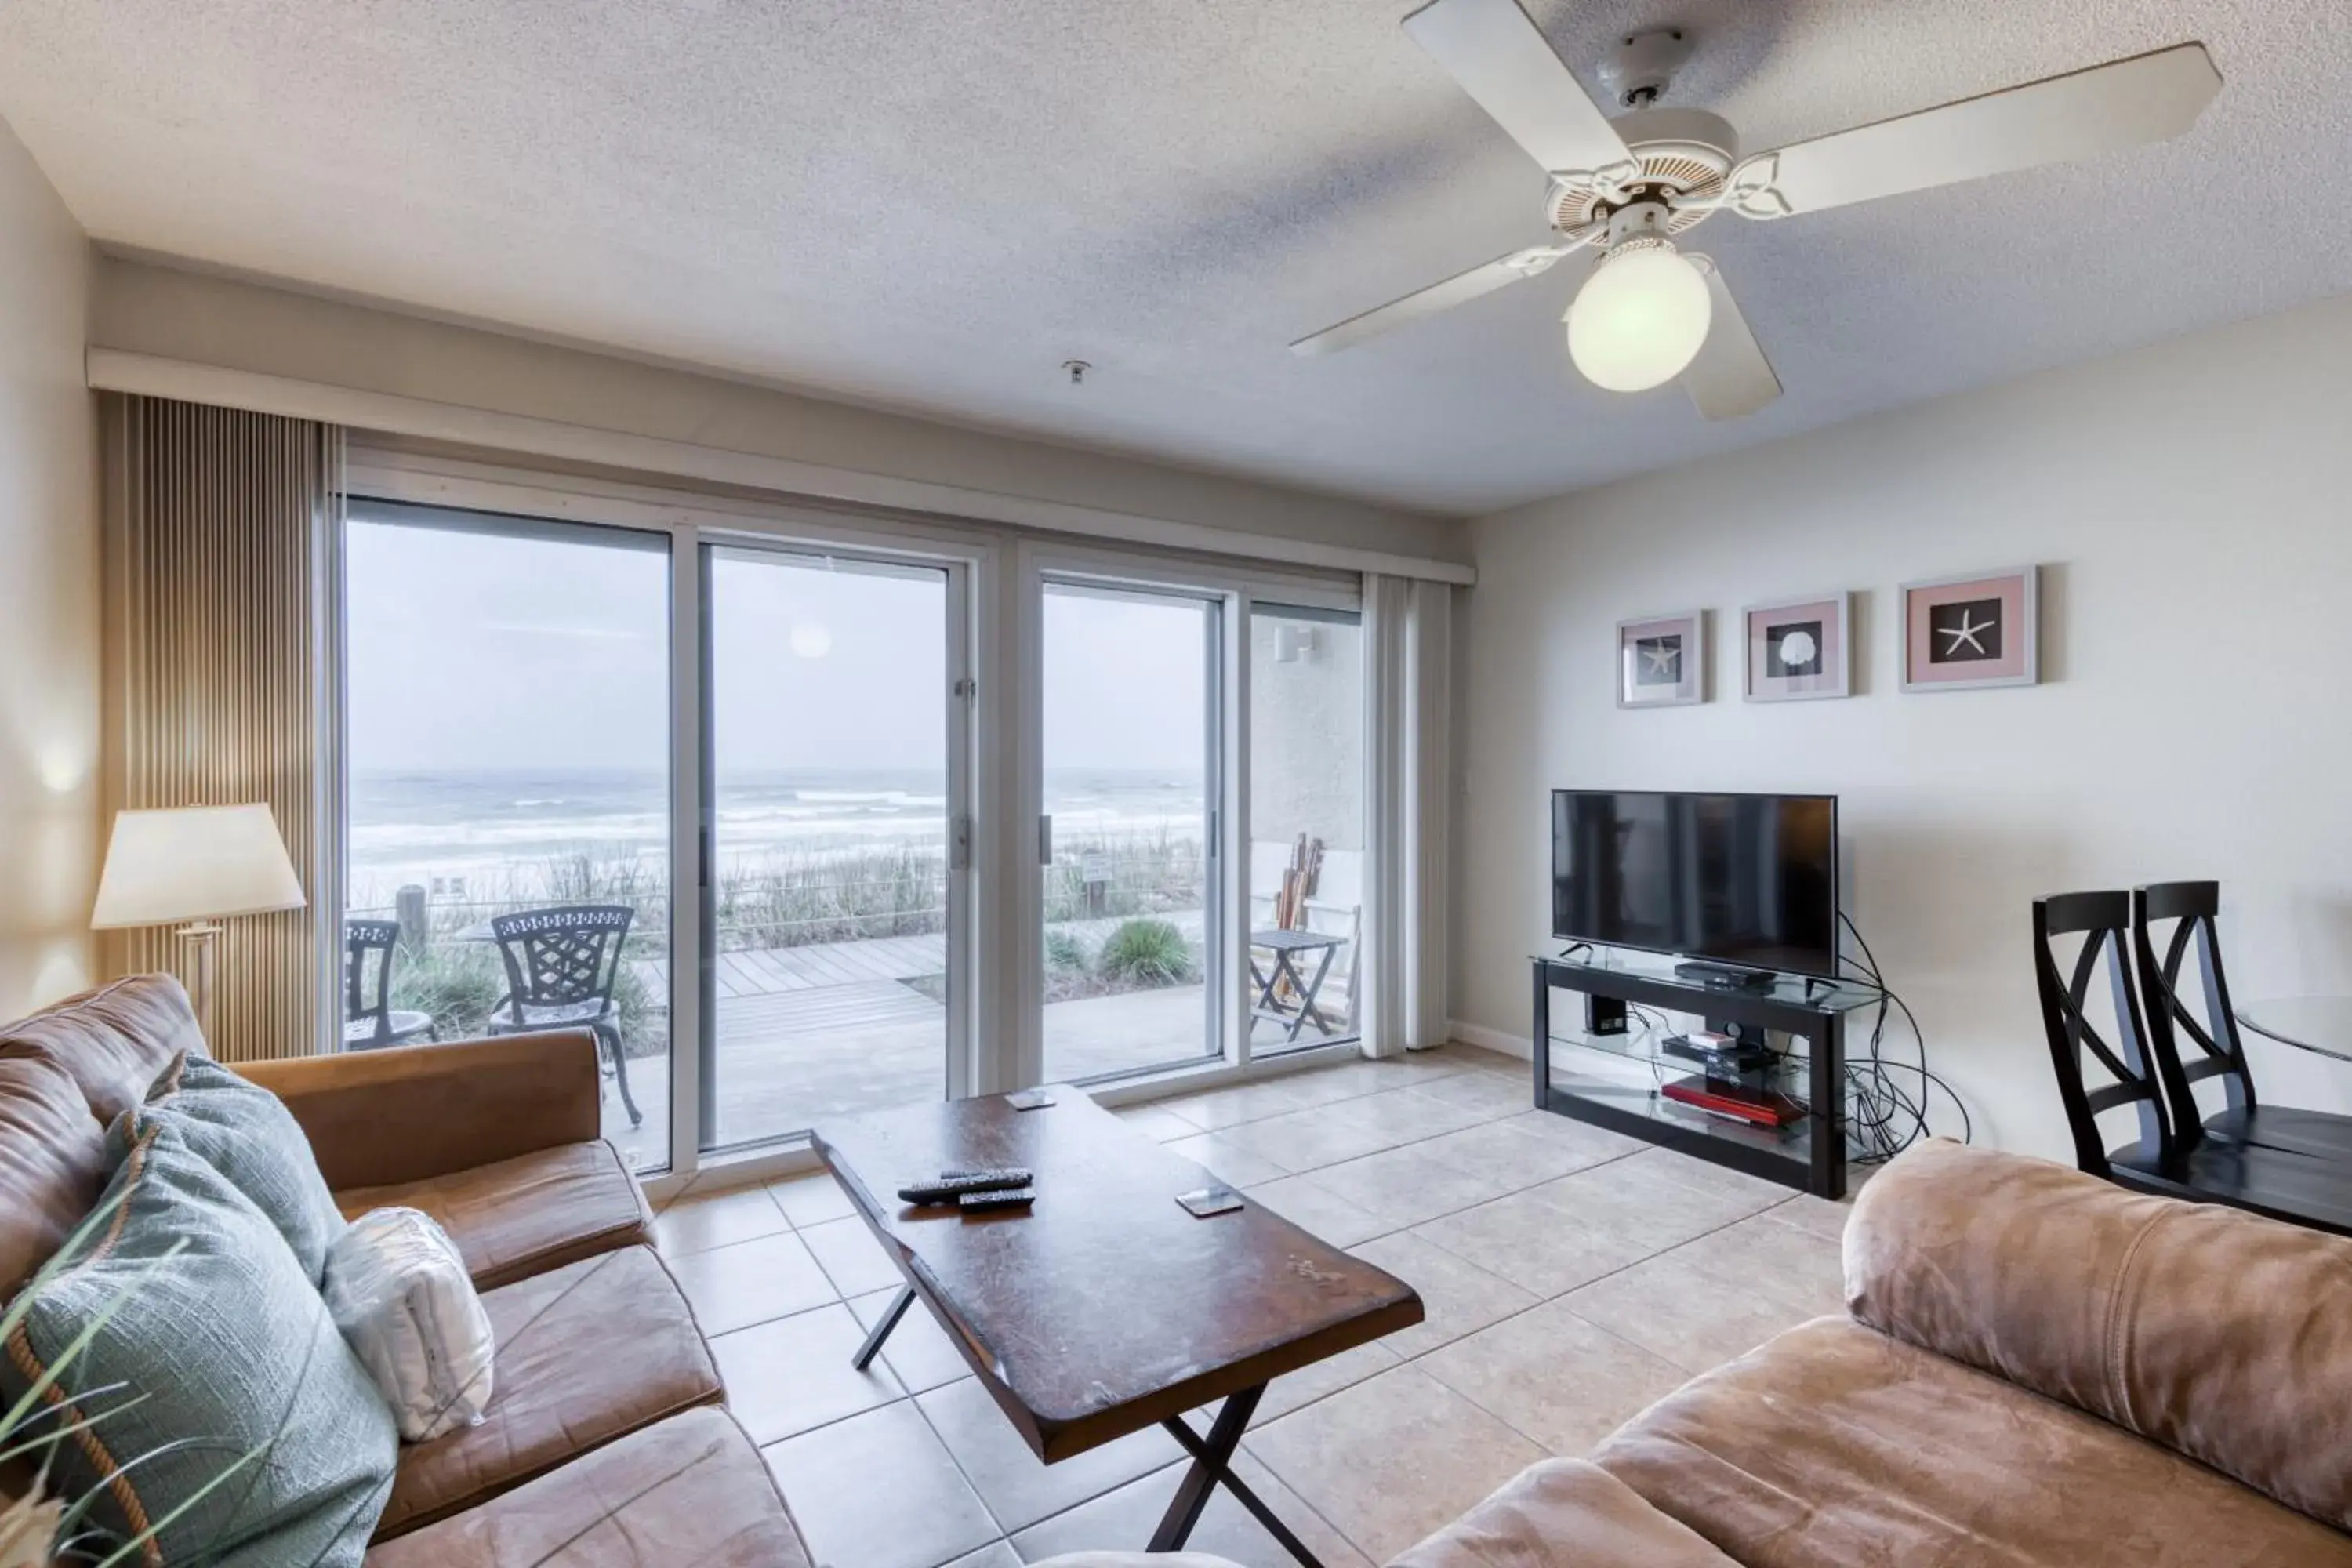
[763, 971]
[831, 1028]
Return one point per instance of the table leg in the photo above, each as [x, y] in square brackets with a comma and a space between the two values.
[1307, 1008]
[1211, 1466]
[888, 1321]
[1266, 983]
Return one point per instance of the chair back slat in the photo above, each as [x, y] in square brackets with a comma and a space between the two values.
[561, 957]
[2219, 1051]
[2101, 919]
[368, 950]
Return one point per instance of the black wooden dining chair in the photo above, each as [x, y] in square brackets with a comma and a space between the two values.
[562, 966]
[2190, 909]
[370, 950]
[2276, 1183]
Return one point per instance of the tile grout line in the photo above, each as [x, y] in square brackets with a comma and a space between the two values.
[1562, 1296]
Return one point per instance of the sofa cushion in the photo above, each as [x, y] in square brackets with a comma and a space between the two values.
[522, 1216]
[113, 1041]
[208, 1351]
[248, 1136]
[691, 1489]
[65, 1073]
[1564, 1510]
[586, 1353]
[53, 1164]
[1835, 1444]
[2213, 1331]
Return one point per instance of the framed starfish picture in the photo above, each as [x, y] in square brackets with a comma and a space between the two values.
[1980, 629]
[1662, 660]
[1797, 648]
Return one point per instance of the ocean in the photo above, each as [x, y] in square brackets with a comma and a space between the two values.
[494, 833]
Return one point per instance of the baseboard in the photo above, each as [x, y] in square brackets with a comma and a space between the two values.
[1490, 1039]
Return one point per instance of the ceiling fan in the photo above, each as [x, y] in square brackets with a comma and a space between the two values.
[1629, 187]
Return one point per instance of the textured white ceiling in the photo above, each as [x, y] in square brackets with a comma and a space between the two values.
[931, 206]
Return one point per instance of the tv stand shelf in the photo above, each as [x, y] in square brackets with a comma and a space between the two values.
[1809, 1156]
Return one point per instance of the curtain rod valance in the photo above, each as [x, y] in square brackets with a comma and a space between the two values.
[115, 370]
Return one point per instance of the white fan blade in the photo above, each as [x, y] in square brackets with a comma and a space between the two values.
[1730, 378]
[1501, 59]
[2125, 103]
[1437, 297]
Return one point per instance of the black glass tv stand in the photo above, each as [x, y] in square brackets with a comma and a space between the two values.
[1619, 1082]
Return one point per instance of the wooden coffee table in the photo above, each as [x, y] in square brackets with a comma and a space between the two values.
[1107, 1307]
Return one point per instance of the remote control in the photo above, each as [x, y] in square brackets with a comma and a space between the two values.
[952, 1185]
[997, 1198]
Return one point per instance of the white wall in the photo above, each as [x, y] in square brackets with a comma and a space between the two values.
[2192, 505]
[1306, 734]
[145, 309]
[48, 594]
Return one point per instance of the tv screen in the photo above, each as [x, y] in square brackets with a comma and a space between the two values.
[1748, 880]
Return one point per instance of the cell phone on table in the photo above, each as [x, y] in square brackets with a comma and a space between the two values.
[1202, 1202]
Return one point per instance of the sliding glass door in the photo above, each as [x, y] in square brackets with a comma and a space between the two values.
[506, 709]
[1132, 776]
[581, 755]
[1305, 826]
[830, 783]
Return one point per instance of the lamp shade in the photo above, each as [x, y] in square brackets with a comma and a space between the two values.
[1640, 319]
[194, 863]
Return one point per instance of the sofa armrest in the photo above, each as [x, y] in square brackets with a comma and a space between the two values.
[1565, 1511]
[407, 1113]
[2217, 1333]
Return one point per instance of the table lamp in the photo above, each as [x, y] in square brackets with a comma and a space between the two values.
[196, 864]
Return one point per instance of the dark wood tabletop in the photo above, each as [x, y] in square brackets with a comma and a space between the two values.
[1107, 1307]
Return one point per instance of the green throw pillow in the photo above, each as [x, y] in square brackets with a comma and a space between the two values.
[220, 1358]
[246, 1133]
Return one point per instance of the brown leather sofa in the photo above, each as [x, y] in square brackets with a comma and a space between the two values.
[2039, 1370]
[606, 1441]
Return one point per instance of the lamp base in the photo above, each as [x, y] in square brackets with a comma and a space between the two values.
[203, 936]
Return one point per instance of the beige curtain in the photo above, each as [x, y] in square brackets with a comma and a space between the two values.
[222, 533]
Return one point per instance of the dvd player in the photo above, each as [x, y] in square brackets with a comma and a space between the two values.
[1720, 1055]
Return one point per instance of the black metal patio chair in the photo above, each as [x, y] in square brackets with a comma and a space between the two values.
[370, 1020]
[562, 965]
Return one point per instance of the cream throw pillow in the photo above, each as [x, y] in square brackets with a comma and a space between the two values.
[401, 1295]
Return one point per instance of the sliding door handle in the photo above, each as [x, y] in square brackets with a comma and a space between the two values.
[1044, 841]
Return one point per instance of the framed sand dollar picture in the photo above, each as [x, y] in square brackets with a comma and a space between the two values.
[1798, 649]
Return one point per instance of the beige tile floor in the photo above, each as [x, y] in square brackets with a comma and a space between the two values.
[1570, 1277]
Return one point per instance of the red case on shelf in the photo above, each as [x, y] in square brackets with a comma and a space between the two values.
[1760, 1107]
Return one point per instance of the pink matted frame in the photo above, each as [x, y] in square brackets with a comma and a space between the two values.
[1688, 624]
[2018, 591]
[1836, 612]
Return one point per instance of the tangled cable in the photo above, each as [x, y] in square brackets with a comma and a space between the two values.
[1884, 1114]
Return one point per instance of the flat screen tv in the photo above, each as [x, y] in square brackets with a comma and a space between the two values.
[1743, 880]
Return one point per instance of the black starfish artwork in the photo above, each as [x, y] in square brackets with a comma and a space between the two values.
[1967, 631]
[1658, 661]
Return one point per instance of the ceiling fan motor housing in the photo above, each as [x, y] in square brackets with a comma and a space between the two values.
[1685, 152]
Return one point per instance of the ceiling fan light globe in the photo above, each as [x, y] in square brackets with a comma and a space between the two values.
[1640, 319]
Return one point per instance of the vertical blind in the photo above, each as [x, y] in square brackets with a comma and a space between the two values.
[1408, 648]
[221, 533]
